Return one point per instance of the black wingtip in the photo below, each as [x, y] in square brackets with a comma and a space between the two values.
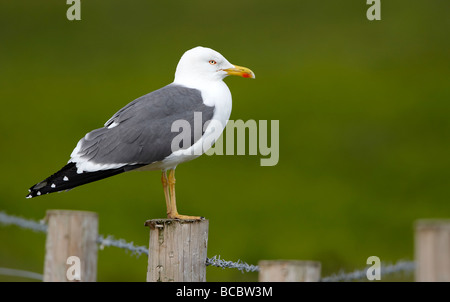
[68, 178]
[31, 194]
[35, 190]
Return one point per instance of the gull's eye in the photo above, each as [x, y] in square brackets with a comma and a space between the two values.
[212, 62]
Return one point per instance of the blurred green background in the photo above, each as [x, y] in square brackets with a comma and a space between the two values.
[363, 109]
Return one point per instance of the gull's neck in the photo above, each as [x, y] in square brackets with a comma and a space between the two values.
[214, 91]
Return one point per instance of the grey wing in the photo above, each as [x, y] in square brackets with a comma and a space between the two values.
[140, 133]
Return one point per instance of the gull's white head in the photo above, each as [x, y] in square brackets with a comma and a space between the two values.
[204, 64]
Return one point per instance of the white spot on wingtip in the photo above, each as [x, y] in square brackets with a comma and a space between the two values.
[29, 196]
[65, 178]
[53, 186]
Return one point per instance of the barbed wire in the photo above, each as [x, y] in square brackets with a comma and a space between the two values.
[36, 226]
[20, 273]
[240, 265]
[122, 244]
[109, 240]
[400, 266]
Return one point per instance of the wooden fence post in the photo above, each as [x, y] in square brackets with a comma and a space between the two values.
[432, 250]
[71, 233]
[289, 271]
[177, 250]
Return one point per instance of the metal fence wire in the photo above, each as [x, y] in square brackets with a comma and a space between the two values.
[401, 266]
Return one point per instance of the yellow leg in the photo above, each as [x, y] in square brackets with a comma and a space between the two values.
[172, 212]
[165, 183]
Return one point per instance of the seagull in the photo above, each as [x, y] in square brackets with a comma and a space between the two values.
[141, 136]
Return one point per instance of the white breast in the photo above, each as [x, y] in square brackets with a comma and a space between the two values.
[215, 94]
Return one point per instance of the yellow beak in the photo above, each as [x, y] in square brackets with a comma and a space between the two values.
[240, 71]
